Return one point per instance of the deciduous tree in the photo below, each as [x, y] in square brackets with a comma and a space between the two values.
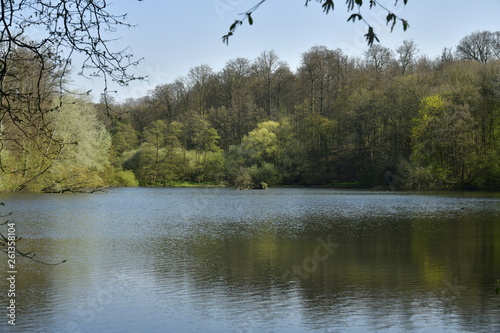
[479, 46]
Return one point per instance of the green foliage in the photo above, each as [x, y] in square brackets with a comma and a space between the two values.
[261, 144]
[163, 159]
[447, 136]
[266, 173]
[75, 157]
[423, 177]
[84, 156]
[156, 133]
[345, 123]
[243, 179]
[124, 137]
[381, 121]
[86, 140]
[154, 166]
[124, 178]
[268, 154]
[291, 158]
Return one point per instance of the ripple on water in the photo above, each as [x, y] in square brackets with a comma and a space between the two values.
[213, 260]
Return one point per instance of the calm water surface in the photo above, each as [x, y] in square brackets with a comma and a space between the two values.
[282, 260]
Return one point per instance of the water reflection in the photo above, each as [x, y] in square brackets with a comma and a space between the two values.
[283, 260]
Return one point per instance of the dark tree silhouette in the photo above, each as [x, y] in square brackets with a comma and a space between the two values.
[479, 46]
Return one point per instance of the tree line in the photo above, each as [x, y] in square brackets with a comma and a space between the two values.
[392, 118]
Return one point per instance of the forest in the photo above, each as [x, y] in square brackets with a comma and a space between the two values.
[393, 119]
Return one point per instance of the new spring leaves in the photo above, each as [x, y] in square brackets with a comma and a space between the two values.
[353, 6]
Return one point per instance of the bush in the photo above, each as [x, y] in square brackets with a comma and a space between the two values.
[266, 173]
[422, 177]
[243, 180]
[124, 178]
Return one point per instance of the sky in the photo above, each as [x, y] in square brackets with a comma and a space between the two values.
[174, 36]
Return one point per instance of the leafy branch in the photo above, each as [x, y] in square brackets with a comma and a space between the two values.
[328, 6]
[246, 16]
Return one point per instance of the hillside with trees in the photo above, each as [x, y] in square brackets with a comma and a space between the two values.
[392, 119]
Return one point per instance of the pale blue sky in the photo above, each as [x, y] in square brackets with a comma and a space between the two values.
[173, 37]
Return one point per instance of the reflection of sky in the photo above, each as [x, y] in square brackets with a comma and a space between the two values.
[190, 260]
[139, 210]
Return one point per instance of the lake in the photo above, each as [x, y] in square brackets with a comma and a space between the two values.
[281, 260]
